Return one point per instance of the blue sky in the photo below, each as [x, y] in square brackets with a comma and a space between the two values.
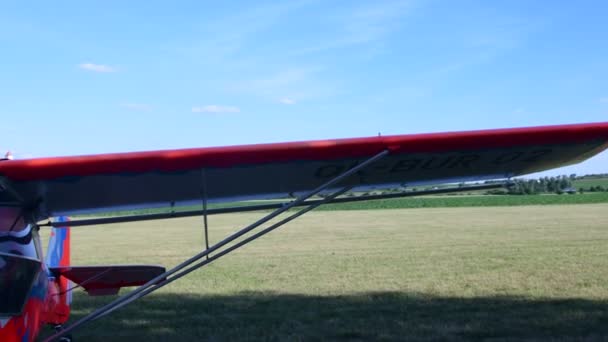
[112, 76]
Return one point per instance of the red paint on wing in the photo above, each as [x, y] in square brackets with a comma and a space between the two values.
[176, 160]
[96, 279]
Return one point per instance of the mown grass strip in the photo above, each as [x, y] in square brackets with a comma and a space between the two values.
[445, 201]
[590, 182]
[531, 273]
[471, 201]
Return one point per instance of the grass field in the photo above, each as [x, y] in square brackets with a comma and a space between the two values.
[499, 273]
[471, 201]
[586, 183]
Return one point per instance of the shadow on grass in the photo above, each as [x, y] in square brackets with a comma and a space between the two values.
[366, 316]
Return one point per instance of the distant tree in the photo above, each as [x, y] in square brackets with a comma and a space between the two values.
[516, 189]
[551, 184]
[542, 185]
[564, 183]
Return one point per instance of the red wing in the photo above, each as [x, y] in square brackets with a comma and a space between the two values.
[107, 280]
[84, 183]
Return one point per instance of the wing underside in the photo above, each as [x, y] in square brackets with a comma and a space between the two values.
[92, 183]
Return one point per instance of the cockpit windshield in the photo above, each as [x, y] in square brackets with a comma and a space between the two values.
[11, 220]
[17, 275]
[16, 235]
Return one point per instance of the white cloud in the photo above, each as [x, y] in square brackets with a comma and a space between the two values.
[216, 109]
[227, 35]
[369, 24]
[301, 83]
[137, 106]
[287, 101]
[280, 80]
[519, 110]
[96, 67]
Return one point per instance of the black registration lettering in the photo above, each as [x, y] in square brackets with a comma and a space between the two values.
[436, 163]
[508, 157]
[535, 156]
[405, 165]
[329, 171]
[464, 161]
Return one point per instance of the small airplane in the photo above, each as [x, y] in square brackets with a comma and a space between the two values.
[35, 290]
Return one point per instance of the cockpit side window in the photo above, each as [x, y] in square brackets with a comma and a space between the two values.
[19, 260]
[17, 276]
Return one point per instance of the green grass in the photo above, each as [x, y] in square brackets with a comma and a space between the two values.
[503, 273]
[443, 201]
[590, 182]
[471, 201]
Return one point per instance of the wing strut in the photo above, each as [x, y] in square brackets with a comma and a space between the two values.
[193, 263]
[256, 207]
[204, 193]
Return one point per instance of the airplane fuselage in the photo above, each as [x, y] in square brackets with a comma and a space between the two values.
[30, 295]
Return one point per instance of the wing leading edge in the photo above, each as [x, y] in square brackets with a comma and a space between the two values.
[64, 185]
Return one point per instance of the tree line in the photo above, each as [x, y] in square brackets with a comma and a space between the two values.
[546, 185]
[542, 185]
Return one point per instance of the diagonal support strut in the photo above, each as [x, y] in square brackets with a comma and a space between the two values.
[185, 267]
[210, 259]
